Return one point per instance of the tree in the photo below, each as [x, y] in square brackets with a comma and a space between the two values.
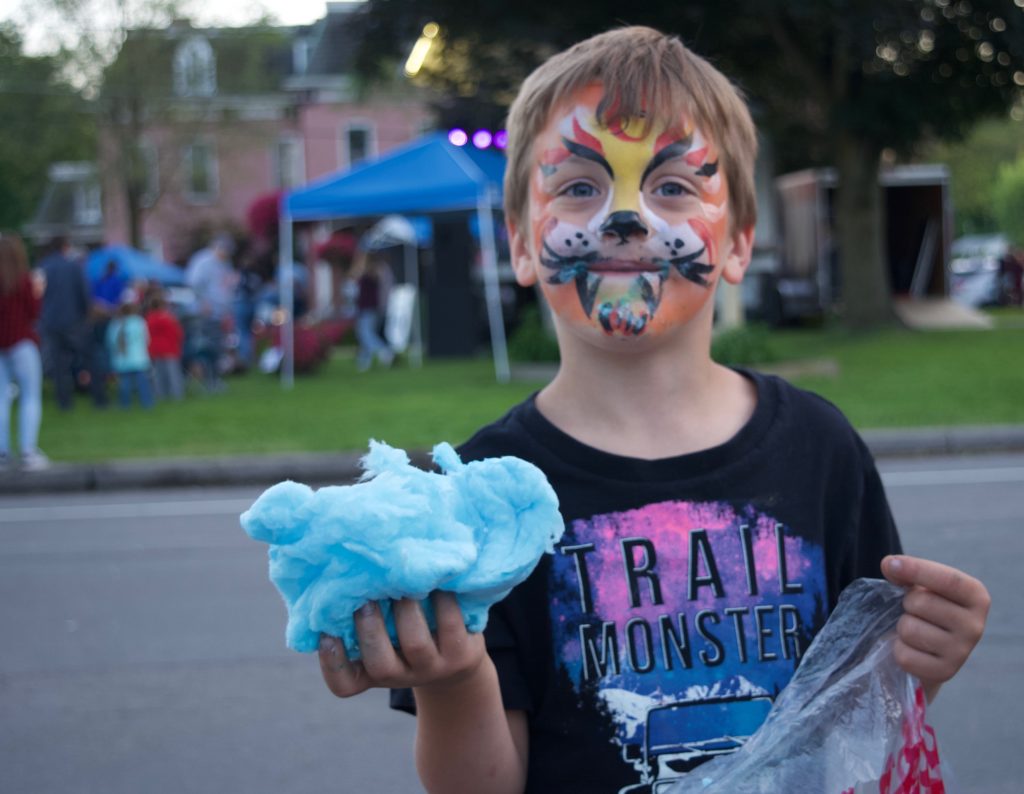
[125, 56]
[43, 120]
[1008, 199]
[123, 84]
[974, 168]
[869, 76]
[837, 81]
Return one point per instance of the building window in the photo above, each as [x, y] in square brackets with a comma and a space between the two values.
[195, 69]
[88, 208]
[289, 163]
[200, 172]
[359, 143]
[301, 49]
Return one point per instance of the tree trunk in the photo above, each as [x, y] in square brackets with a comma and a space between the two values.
[866, 291]
[136, 179]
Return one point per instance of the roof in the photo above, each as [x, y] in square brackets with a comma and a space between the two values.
[426, 176]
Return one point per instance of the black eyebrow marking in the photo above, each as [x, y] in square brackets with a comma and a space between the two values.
[708, 169]
[677, 149]
[587, 153]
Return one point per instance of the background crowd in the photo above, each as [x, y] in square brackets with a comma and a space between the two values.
[137, 341]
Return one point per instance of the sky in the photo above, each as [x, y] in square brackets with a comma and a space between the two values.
[42, 30]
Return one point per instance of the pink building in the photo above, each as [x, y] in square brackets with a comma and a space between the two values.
[249, 111]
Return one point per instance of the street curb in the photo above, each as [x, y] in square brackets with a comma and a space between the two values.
[956, 440]
[338, 468]
[312, 468]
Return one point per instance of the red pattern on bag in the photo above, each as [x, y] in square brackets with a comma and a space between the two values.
[914, 767]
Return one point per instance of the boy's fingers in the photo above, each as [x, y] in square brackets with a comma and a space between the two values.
[924, 666]
[950, 583]
[452, 637]
[343, 677]
[448, 615]
[934, 608]
[414, 636]
[922, 635]
[379, 657]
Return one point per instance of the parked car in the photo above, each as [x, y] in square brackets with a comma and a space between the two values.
[974, 269]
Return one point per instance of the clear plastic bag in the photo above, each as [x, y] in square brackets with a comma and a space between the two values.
[849, 722]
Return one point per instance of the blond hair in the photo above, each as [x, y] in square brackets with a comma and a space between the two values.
[645, 74]
[13, 262]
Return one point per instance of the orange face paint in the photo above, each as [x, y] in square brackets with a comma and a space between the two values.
[627, 226]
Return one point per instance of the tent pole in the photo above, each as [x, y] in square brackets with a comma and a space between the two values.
[492, 287]
[412, 276]
[285, 282]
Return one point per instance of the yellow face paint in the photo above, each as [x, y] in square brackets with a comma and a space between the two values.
[626, 225]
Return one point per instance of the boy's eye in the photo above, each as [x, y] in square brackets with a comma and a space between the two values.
[580, 190]
[671, 189]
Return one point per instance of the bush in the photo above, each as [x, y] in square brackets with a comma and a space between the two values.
[531, 341]
[1008, 198]
[742, 346]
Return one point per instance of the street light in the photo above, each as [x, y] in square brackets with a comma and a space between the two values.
[414, 62]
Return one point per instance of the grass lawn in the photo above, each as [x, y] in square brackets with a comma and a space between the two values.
[907, 378]
[888, 379]
[336, 409]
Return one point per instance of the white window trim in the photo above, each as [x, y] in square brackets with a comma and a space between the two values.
[195, 47]
[370, 128]
[201, 198]
[275, 159]
[87, 204]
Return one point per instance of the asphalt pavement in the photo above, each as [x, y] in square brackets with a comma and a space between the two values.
[317, 468]
[143, 645]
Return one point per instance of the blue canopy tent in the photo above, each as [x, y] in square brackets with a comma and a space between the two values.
[427, 176]
[132, 265]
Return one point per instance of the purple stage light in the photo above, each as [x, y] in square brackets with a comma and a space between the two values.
[500, 139]
[481, 139]
[457, 137]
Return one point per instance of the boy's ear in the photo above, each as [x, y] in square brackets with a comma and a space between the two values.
[521, 253]
[737, 258]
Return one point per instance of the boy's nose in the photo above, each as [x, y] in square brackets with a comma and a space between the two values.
[624, 224]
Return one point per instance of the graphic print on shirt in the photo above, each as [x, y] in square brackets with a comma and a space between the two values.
[683, 621]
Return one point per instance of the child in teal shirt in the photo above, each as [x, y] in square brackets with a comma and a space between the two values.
[127, 345]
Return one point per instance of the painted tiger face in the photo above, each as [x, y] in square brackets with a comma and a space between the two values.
[628, 231]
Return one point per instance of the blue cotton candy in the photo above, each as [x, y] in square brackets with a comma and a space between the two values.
[476, 530]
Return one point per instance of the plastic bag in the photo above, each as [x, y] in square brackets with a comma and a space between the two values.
[849, 722]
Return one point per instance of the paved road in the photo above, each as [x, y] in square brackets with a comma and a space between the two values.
[143, 654]
[968, 512]
[142, 646]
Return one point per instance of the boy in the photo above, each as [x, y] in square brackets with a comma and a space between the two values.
[712, 515]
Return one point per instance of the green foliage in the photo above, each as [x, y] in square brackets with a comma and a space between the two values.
[43, 121]
[1008, 200]
[749, 344]
[974, 167]
[531, 341]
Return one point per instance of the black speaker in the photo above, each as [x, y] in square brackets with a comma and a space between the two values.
[451, 300]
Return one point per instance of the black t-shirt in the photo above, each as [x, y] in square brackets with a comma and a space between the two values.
[685, 590]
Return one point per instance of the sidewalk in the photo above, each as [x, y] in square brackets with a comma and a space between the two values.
[340, 468]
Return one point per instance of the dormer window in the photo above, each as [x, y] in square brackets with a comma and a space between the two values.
[195, 69]
[301, 50]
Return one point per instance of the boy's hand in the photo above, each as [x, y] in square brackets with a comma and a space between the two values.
[944, 617]
[423, 659]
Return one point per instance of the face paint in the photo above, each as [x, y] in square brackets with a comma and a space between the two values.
[627, 226]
